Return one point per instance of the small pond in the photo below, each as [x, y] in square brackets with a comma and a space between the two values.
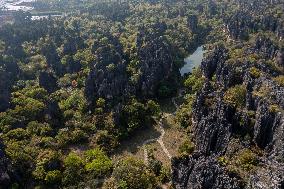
[193, 61]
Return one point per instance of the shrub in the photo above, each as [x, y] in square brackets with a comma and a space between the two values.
[195, 81]
[53, 177]
[254, 72]
[133, 116]
[46, 162]
[247, 159]
[274, 108]
[105, 141]
[132, 173]
[40, 129]
[75, 101]
[223, 161]
[153, 108]
[73, 171]
[17, 134]
[264, 91]
[236, 96]
[280, 80]
[100, 103]
[165, 175]
[164, 91]
[97, 162]
[186, 148]
[184, 114]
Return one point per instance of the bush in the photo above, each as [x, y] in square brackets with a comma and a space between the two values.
[223, 160]
[165, 175]
[236, 96]
[254, 72]
[132, 173]
[53, 177]
[73, 165]
[195, 81]
[184, 114]
[97, 162]
[39, 129]
[164, 91]
[105, 141]
[76, 101]
[47, 161]
[280, 80]
[186, 148]
[274, 108]
[247, 159]
[153, 108]
[100, 103]
[133, 116]
[17, 134]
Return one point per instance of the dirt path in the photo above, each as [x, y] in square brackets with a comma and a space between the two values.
[162, 131]
[159, 140]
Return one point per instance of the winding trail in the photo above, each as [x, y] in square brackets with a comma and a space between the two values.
[159, 140]
[162, 131]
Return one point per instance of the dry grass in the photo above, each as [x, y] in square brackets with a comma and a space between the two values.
[173, 138]
[174, 135]
[133, 146]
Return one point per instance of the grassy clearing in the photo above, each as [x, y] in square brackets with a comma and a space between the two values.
[134, 145]
[174, 137]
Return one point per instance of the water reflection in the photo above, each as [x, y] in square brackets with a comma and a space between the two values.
[193, 60]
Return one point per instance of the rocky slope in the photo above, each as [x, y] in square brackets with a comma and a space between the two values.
[156, 62]
[4, 92]
[110, 78]
[5, 171]
[221, 130]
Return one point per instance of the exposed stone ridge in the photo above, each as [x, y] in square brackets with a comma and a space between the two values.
[218, 123]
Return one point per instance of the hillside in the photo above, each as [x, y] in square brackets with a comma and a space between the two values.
[95, 98]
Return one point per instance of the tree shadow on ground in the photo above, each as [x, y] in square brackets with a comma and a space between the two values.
[137, 140]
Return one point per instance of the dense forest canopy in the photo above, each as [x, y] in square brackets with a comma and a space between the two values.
[74, 87]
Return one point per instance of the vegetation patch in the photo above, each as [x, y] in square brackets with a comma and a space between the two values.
[236, 96]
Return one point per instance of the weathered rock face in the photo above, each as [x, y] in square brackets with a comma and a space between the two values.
[156, 62]
[265, 47]
[107, 84]
[193, 23]
[238, 25]
[203, 172]
[108, 77]
[5, 178]
[249, 18]
[9, 71]
[216, 124]
[213, 128]
[280, 58]
[217, 59]
[4, 91]
[47, 81]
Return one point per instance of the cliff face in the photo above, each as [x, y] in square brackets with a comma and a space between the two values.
[8, 73]
[5, 168]
[154, 65]
[249, 19]
[108, 76]
[221, 131]
[156, 62]
[4, 92]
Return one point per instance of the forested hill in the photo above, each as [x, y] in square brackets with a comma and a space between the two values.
[74, 88]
